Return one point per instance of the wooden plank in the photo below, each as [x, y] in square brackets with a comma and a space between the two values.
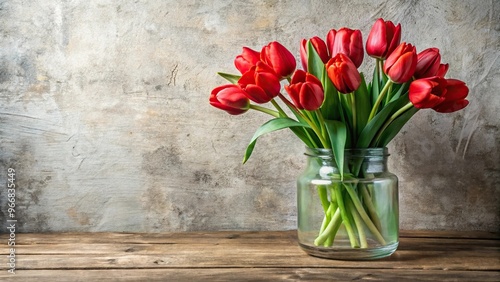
[403, 260]
[264, 237]
[255, 274]
[409, 244]
[226, 237]
[243, 256]
[421, 254]
[450, 234]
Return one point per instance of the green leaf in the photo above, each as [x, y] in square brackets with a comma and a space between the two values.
[345, 102]
[338, 136]
[315, 65]
[393, 129]
[270, 126]
[230, 77]
[375, 86]
[330, 106]
[371, 129]
[303, 135]
[363, 105]
[403, 88]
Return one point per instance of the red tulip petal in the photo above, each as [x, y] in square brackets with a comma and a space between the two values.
[443, 69]
[421, 96]
[456, 89]
[395, 38]
[298, 76]
[313, 79]
[256, 94]
[311, 96]
[234, 99]
[247, 78]
[451, 106]
[269, 83]
[376, 44]
[330, 40]
[356, 48]
[294, 93]
[229, 98]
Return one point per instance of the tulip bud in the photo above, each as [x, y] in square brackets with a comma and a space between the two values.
[456, 92]
[260, 84]
[383, 38]
[279, 59]
[229, 98]
[428, 62]
[318, 45]
[443, 69]
[343, 73]
[400, 65]
[246, 60]
[348, 42]
[439, 94]
[306, 91]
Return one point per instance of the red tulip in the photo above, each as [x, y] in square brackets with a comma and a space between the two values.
[442, 70]
[383, 38]
[343, 73]
[229, 98]
[279, 59]
[428, 62]
[348, 42]
[400, 65]
[260, 84]
[246, 60]
[318, 45]
[306, 91]
[439, 94]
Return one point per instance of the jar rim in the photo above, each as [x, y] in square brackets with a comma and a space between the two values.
[351, 152]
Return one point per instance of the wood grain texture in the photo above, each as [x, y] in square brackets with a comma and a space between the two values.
[244, 256]
[245, 274]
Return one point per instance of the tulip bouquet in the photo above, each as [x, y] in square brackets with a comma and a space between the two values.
[329, 104]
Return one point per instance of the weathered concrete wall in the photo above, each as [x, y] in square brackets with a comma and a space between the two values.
[105, 117]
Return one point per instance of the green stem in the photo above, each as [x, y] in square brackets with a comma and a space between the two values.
[391, 119]
[323, 196]
[380, 64]
[264, 110]
[297, 114]
[388, 96]
[277, 106]
[313, 142]
[321, 120]
[358, 222]
[309, 115]
[345, 218]
[400, 111]
[363, 214]
[332, 228]
[335, 214]
[318, 133]
[371, 209]
[290, 105]
[379, 100]
[326, 220]
[354, 119]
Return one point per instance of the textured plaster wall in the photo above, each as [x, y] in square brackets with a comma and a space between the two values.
[104, 114]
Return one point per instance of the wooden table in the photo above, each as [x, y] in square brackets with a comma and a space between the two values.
[242, 256]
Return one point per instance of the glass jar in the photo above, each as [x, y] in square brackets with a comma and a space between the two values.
[351, 216]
